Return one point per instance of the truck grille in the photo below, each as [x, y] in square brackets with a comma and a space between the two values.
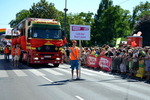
[46, 48]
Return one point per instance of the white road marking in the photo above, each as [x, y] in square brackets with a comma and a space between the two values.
[36, 72]
[52, 72]
[95, 72]
[69, 71]
[66, 71]
[47, 79]
[79, 97]
[90, 74]
[3, 73]
[19, 73]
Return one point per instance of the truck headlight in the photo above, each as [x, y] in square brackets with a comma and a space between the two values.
[36, 58]
[57, 58]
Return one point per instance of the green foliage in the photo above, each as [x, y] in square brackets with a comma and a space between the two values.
[43, 9]
[19, 17]
[78, 19]
[110, 22]
[139, 11]
[141, 21]
[144, 26]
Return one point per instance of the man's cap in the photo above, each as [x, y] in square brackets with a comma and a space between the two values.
[74, 41]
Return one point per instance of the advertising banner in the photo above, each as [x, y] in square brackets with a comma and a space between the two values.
[118, 42]
[105, 63]
[8, 31]
[92, 61]
[79, 32]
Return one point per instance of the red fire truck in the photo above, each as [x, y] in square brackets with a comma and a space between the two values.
[41, 41]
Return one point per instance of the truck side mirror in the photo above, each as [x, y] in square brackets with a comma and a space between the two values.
[28, 33]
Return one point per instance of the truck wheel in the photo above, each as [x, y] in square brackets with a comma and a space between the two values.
[56, 65]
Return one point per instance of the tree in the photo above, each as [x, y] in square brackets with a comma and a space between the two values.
[141, 21]
[110, 22]
[19, 17]
[97, 29]
[138, 12]
[144, 27]
[43, 9]
[77, 19]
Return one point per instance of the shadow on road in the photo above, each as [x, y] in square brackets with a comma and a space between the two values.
[62, 82]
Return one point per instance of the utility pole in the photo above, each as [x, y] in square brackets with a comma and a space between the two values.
[65, 19]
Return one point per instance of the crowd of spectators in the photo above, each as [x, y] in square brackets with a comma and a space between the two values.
[127, 60]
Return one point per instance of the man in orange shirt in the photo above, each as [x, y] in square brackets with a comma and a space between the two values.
[6, 53]
[74, 57]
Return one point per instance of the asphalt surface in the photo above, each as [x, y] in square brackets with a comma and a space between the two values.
[41, 82]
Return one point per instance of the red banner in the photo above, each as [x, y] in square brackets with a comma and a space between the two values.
[41, 42]
[105, 63]
[37, 42]
[92, 61]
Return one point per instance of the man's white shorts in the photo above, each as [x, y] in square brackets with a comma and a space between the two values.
[16, 57]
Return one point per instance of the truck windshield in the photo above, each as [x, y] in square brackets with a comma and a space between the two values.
[46, 34]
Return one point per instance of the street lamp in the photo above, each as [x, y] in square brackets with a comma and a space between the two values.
[65, 20]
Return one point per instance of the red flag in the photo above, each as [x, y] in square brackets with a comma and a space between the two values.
[23, 42]
[65, 40]
[37, 42]
[14, 41]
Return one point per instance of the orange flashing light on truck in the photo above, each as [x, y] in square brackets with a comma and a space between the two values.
[40, 40]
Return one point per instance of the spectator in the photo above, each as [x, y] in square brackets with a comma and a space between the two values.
[135, 62]
[1, 50]
[123, 62]
[63, 55]
[147, 63]
[6, 53]
[93, 51]
[85, 53]
[17, 55]
[67, 55]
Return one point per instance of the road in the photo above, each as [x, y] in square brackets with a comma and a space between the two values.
[49, 83]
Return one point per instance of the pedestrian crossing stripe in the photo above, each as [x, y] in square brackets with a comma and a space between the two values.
[3, 73]
[57, 71]
[36, 72]
[63, 70]
[19, 73]
[53, 72]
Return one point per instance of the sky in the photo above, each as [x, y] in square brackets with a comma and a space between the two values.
[9, 8]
